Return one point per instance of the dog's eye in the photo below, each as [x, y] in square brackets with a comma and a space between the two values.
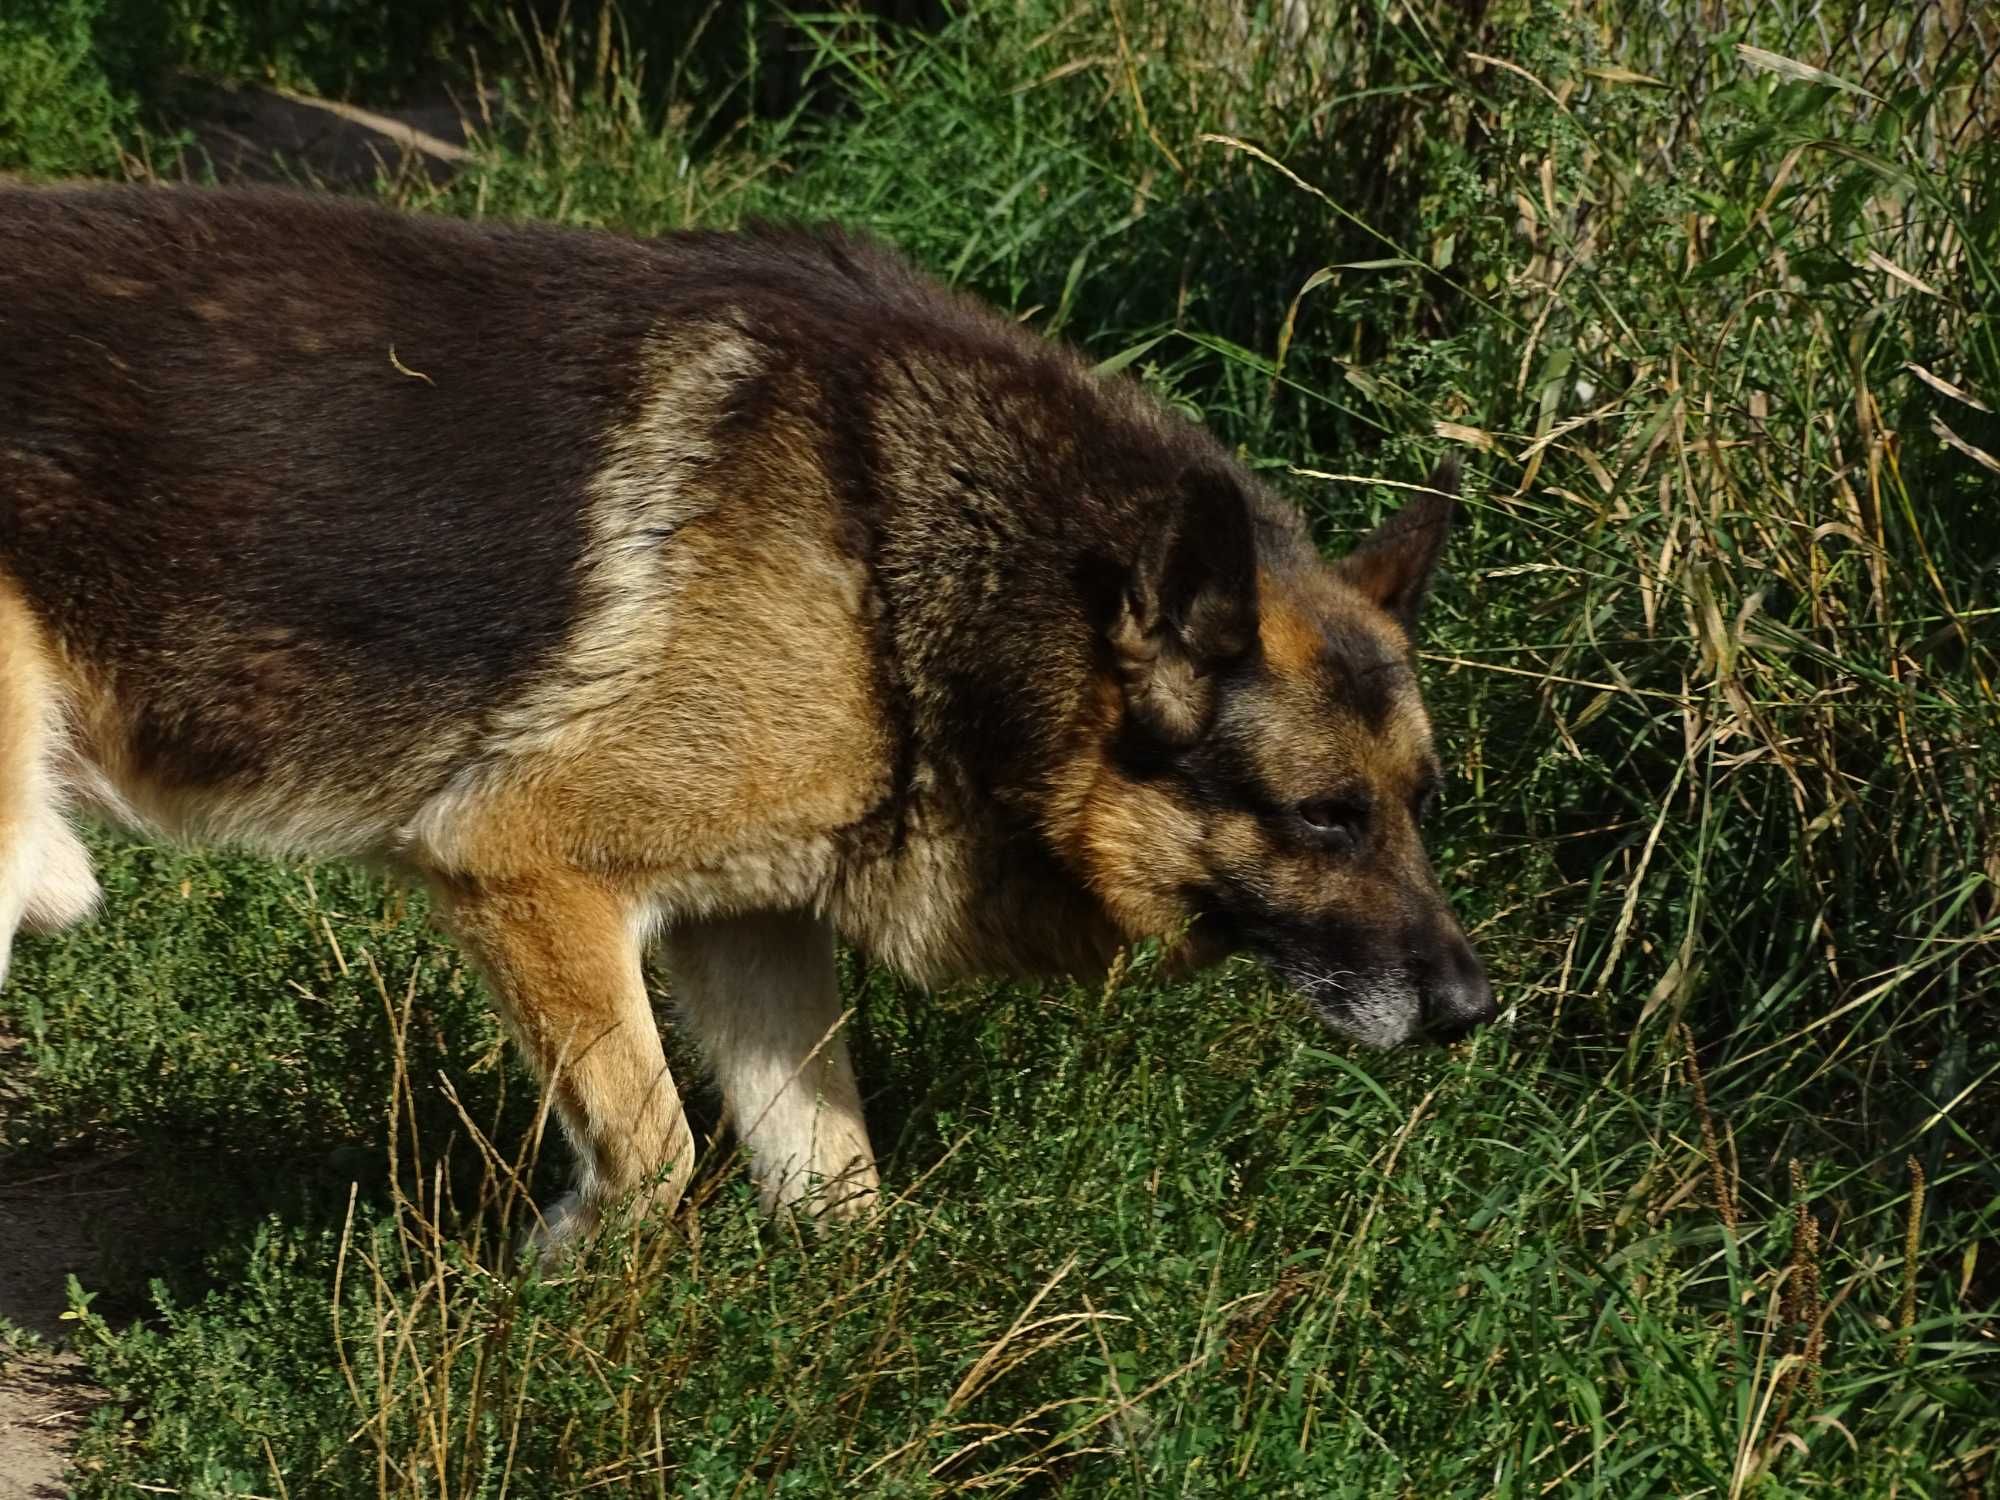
[1335, 822]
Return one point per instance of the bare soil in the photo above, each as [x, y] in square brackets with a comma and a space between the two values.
[51, 1228]
[259, 134]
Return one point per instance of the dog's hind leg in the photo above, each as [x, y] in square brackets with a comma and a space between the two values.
[561, 951]
[762, 996]
[45, 879]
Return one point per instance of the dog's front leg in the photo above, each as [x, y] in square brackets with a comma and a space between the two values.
[561, 951]
[761, 994]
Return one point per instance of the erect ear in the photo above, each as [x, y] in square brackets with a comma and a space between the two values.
[1188, 606]
[1393, 564]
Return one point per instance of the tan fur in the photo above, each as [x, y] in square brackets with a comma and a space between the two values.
[353, 804]
[1290, 640]
[116, 286]
[45, 879]
[561, 951]
[1135, 842]
[663, 741]
[663, 747]
[1141, 846]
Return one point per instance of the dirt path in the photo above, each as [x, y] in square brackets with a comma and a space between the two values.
[42, 1403]
[52, 1226]
[259, 134]
[55, 1220]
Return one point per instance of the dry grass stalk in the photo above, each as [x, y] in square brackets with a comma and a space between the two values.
[1907, 1314]
[1725, 1199]
[1803, 1311]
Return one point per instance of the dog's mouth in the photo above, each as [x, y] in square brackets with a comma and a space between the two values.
[1377, 1006]
[1379, 1009]
[1212, 935]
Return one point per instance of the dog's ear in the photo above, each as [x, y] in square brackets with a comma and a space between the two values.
[1186, 607]
[1393, 564]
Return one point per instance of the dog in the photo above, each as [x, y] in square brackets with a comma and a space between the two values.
[724, 591]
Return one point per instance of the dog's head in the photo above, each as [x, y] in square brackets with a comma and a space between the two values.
[1268, 764]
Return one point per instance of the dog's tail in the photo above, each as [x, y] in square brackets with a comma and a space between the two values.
[1444, 479]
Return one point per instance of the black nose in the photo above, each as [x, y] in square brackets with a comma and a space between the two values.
[1458, 997]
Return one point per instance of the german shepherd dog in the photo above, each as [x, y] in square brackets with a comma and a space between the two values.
[728, 591]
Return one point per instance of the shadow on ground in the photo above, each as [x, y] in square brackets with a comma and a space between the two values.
[54, 1224]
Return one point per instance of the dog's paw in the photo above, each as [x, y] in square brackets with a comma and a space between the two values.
[558, 1232]
[852, 1198]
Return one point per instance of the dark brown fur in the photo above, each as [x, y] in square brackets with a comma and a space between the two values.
[733, 586]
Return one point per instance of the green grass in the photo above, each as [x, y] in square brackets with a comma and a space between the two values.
[1714, 672]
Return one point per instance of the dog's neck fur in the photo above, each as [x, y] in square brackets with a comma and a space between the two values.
[996, 723]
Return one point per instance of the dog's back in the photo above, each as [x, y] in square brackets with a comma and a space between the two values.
[309, 491]
[301, 481]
